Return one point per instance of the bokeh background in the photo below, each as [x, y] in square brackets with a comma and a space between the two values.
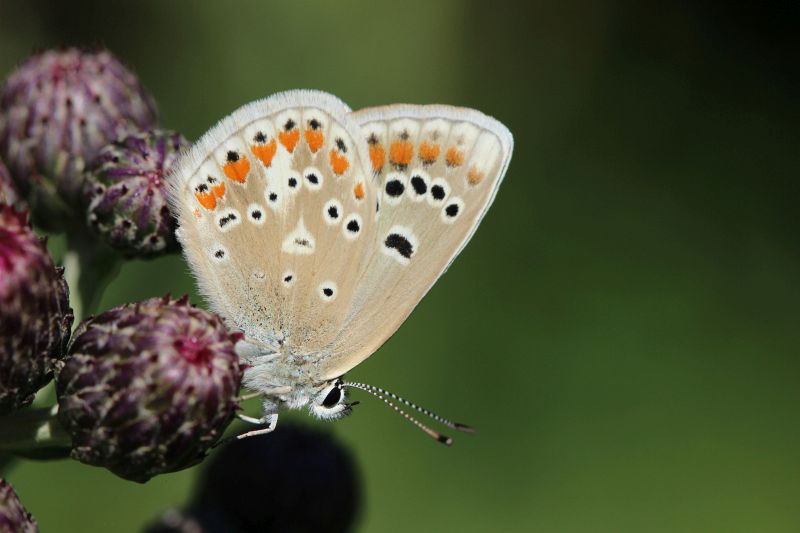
[622, 330]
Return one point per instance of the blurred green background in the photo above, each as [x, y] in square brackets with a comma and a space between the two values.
[623, 328]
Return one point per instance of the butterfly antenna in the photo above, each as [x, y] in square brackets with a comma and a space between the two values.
[385, 395]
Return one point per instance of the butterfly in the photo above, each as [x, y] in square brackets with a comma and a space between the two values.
[316, 230]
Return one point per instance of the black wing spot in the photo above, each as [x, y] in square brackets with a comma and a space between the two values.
[419, 185]
[226, 219]
[232, 156]
[219, 254]
[399, 243]
[288, 278]
[437, 191]
[273, 197]
[256, 214]
[289, 125]
[333, 212]
[292, 182]
[327, 291]
[451, 210]
[353, 226]
[395, 188]
[312, 178]
[201, 188]
[372, 139]
[260, 138]
[340, 145]
[314, 123]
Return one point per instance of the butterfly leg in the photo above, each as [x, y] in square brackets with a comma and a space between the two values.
[271, 420]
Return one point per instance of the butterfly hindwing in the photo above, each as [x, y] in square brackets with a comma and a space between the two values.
[436, 170]
[275, 212]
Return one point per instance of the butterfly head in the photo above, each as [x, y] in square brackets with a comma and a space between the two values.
[330, 402]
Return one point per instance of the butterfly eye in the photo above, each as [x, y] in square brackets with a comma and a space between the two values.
[332, 398]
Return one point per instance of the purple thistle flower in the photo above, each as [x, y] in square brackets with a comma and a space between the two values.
[149, 387]
[13, 516]
[125, 191]
[35, 317]
[56, 111]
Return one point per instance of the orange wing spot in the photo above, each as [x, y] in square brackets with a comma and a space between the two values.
[378, 157]
[219, 190]
[429, 152]
[289, 139]
[207, 200]
[358, 191]
[400, 153]
[454, 157]
[474, 176]
[265, 152]
[314, 139]
[237, 170]
[339, 163]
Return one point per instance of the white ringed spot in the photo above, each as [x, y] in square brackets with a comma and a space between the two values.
[313, 178]
[452, 210]
[256, 214]
[332, 212]
[400, 244]
[394, 187]
[328, 291]
[352, 226]
[418, 185]
[438, 192]
[227, 219]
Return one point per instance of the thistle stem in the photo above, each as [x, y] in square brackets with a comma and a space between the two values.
[89, 266]
[34, 433]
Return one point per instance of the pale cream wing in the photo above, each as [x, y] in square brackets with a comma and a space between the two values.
[437, 170]
[275, 214]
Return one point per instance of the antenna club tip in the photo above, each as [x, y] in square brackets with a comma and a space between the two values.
[465, 428]
[444, 439]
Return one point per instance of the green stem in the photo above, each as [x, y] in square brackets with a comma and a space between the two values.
[72, 272]
[89, 266]
[34, 433]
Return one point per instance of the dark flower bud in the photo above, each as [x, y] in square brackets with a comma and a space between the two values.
[13, 516]
[8, 194]
[56, 111]
[125, 191]
[148, 388]
[35, 317]
[308, 477]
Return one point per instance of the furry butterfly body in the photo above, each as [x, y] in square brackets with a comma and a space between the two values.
[316, 230]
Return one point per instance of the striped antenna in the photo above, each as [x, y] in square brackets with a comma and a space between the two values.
[385, 395]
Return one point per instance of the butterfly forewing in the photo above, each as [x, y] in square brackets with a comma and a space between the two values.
[436, 170]
[276, 211]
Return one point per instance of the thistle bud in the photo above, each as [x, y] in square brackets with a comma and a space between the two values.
[125, 191]
[56, 111]
[148, 388]
[35, 317]
[8, 194]
[13, 516]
